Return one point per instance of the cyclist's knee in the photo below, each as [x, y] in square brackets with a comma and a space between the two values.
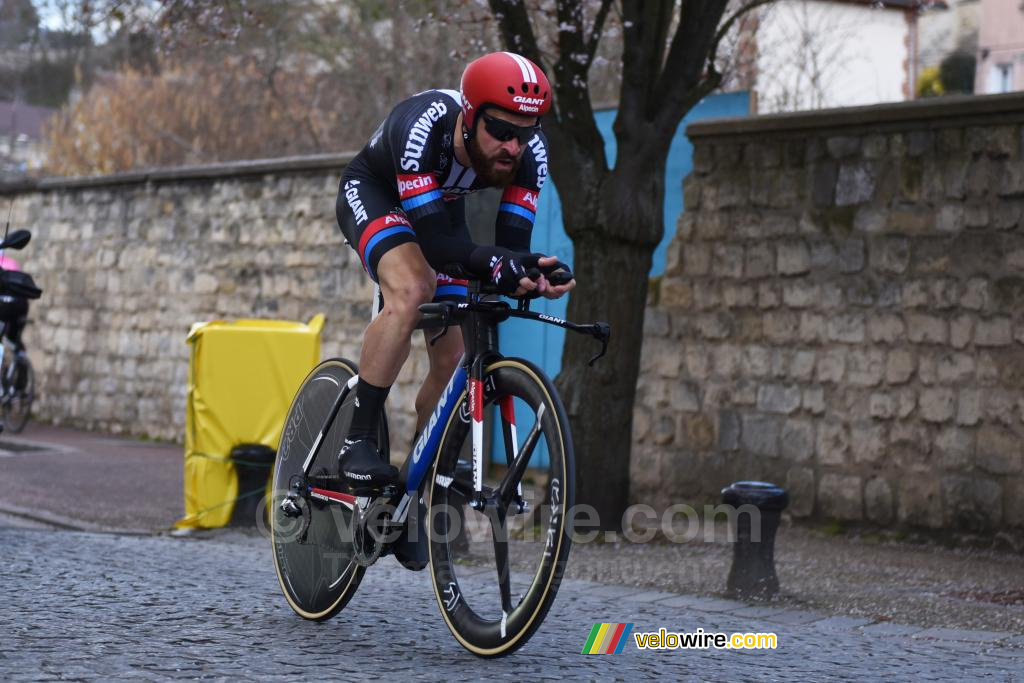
[404, 295]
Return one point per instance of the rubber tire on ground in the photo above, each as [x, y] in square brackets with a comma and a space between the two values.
[17, 407]
[480, 635]
[316, 573]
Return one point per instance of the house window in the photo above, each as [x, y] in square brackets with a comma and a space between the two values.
[1000, 79]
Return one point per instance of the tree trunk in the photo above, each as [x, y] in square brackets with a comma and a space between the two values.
[612, 275]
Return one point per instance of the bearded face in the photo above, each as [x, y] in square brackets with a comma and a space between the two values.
[496, 167]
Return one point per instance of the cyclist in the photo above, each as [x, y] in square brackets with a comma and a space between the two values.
[401, 206]
[13, 309]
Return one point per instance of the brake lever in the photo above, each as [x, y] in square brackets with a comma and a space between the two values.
[602, 332]
[446, 319]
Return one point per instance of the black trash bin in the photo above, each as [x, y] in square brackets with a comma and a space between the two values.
[252, 466]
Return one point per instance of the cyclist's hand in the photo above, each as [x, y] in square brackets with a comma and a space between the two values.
[546, 289]
[515, 274]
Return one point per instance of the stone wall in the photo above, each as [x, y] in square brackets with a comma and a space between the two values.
[842, 312]
[129, 262]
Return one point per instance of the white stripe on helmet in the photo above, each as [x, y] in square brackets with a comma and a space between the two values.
[529, 75]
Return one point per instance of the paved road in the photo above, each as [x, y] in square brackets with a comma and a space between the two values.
[101, 606]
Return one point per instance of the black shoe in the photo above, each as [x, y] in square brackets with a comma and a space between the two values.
[362, 468]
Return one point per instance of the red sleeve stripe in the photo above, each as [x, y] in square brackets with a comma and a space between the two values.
[415, 185]
[521, 196]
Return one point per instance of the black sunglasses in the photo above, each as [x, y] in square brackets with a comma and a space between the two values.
[503, 131]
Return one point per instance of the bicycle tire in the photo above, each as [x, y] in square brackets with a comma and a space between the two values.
[473, 610]
[18, 403]
[313, 554]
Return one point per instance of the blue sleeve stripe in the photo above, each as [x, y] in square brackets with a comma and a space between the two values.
[518, 210]
[419, 200]
[376, 239]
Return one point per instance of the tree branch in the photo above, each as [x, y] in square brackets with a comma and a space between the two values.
[596, 30]
[724, 29]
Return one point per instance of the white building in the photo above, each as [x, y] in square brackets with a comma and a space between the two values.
[813, 54]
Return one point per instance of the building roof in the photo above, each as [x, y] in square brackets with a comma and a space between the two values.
[17, 118]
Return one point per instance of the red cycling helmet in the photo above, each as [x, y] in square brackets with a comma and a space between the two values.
[506, 80]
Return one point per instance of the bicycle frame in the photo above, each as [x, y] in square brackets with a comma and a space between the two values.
[479, 322]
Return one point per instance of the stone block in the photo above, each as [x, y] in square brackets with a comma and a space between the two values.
[676, 293]
[798, 440]
[878, 500]
[781, 326]
[684, 397]
[973, 503]
[955, 368]
[840, 147]
[1014, 500]
[868, 443]
[961, 331]
[728, 430]
[768, 295]
[865, 368]
[915, 294]
[664, 430]
[802, 366]
[855, 183]
[739, 296]
[823, 255]
[831, 365]
[1001, 406]
[954, 448]
[993, 332]
[812, 327]
[840, 496]
[759, 261]
[707, 296]
[891, 254]
[813, 400]
[846, 328]
[937, 404]
[882, 406]
[800, 294]
[695, 433]
[851, 256]
[950, 218]
[792, 258]
[887, 328]
[999, 450]
[968, 411]
[756, 361]
[715, 326]
[919, 501]
[927, 329]
[697, 362]
[778, 398]
[641, 424]
[725, 360]
[800, 486]
[696, 259]
[727, 260]
[760, 434]
[833, 443]
[870, 219]
[976, 296]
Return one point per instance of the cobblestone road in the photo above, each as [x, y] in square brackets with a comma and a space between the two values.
[94, 606]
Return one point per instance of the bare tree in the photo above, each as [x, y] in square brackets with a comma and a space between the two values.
[614, 214]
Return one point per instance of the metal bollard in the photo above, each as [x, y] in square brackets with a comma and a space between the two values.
[752, 576]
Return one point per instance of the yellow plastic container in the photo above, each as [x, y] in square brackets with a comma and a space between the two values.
[242, 377]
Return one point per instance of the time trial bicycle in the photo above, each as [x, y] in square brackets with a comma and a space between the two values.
[488, 483]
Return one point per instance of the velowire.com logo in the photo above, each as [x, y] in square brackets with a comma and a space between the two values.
[607, 639]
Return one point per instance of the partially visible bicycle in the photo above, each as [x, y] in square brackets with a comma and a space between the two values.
[466, 502]
[17, 378]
